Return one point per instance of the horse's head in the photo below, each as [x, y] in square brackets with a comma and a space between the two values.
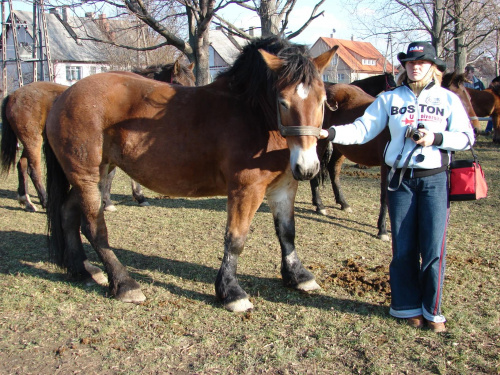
[455, 83]
[300, 102]
[174, 73]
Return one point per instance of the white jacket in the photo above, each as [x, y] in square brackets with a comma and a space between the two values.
[435, 108]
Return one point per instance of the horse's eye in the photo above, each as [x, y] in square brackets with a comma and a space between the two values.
[284, 104]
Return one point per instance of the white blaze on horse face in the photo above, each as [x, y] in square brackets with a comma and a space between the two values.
[304, 162]
[302, 91]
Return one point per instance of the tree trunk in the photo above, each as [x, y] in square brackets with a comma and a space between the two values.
[460, 47]
[269, 20]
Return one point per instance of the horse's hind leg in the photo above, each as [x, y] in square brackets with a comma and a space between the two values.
[35, 170]
[122, 286]
[106, 191]
[22, 190]
[382, 222]
[138, 194]
[281, 202]
[75, 259]
[334, 168]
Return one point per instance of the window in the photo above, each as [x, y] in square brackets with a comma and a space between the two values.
[93, 70]
[73, 73]
[104, 69]
[340, 77]
[369, 62]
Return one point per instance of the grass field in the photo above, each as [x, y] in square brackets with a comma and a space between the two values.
[49, 324]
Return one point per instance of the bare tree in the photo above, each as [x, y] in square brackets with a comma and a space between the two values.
[274, 17]
[455, 27]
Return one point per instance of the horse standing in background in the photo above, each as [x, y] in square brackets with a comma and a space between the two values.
[376, 84]
[486, 103]
[24, 113]
[219, 139]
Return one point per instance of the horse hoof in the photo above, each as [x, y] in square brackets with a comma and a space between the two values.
[308, 286]
[347, 209]
[131, 296]
[321, 211]
[110, 208]
[30, 209]
[144, 204]
[384, 237]
[239, 305]
[96, 274]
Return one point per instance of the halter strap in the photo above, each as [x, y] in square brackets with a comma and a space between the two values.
[293, 131]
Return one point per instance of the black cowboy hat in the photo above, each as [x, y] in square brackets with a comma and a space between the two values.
[421, 51]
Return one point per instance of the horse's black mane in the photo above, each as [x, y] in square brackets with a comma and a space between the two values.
[375, 84]
[250, 78]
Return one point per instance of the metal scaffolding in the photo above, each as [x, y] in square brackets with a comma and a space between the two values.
[40, 51]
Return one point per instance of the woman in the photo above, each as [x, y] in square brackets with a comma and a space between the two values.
[426, 122]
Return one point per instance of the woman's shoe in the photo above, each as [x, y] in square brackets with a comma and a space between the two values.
[416, 321]
[436, 327]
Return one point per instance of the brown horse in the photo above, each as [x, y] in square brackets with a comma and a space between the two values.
[219, 139]
[350, 104]
[455, 83]
[24, 113]
[487, 103]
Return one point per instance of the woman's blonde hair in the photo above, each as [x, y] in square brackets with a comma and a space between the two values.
[437, 75]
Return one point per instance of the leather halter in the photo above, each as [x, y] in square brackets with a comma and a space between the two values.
[294, 131]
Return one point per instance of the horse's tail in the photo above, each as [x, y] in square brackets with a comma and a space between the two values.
[8, 147]
[323, 164]
[57, 193]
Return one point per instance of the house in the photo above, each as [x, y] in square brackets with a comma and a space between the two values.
[224, 49]
[73, 58]
[354, 60]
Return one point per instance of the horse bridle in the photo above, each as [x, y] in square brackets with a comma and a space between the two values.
[292, 131]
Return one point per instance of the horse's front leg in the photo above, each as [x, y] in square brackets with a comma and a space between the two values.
[241, 207]
[281, 201]
[23, 196]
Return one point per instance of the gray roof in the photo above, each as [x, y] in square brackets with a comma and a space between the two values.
[227, 46]
[63, 46]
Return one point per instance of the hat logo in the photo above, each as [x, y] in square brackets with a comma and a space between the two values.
[416, 49]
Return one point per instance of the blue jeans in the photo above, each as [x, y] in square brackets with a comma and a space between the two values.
[419, 211]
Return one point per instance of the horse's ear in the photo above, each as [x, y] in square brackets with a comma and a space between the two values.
[191, 66]
[177, 67]
[273, 62]
[324, 59]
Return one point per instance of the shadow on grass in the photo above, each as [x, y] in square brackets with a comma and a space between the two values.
[20, 249]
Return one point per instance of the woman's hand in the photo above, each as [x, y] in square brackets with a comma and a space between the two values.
[427, 139]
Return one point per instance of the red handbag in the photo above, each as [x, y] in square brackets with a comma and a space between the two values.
[466, 178]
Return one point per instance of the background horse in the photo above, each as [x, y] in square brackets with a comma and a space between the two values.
[455, 83]
[376, 84]
[487, 103]
[24, 113]
[219, 139]
[351, 104]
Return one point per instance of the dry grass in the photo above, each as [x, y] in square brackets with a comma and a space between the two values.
[49, 324]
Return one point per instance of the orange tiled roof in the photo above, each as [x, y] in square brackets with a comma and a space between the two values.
[351, 52]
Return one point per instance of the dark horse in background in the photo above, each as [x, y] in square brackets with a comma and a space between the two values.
[250, 134]
[376, 84]
[350, 103]
[24, 113]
